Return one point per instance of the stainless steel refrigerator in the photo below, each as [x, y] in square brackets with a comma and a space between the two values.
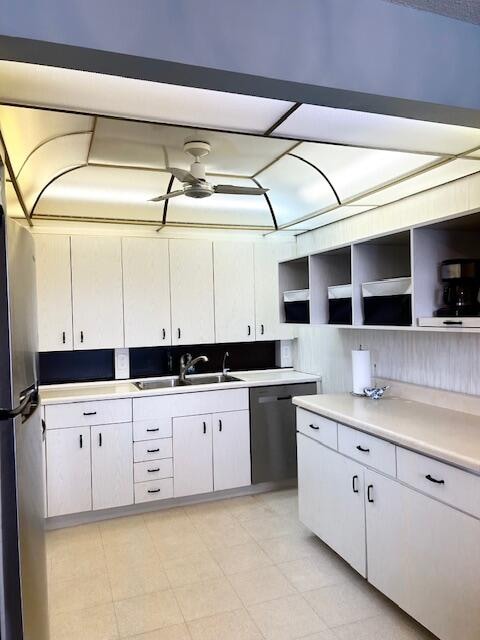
[23, 583]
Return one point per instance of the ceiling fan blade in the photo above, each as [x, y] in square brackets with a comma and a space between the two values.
[167, 196]
[182, 175]
[239, 191]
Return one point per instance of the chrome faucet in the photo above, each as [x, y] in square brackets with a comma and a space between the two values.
[224, 368]
[186, 363]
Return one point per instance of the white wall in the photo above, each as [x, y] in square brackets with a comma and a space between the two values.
[432, 359]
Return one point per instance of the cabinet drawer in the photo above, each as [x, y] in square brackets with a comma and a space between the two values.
[372, 451]
[154, 470]
[152, 450]
[458, 488]
[317, 427]
[80, 414]
[154, 490]
[152, 429]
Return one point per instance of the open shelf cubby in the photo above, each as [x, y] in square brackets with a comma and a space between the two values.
[328, 269]
[377, 259]
[293, 275]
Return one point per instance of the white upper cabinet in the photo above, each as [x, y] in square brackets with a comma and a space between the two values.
[234, 292]
[267, 302]
[54, 293]
[146, 291]
[191, 281]
[97, 292]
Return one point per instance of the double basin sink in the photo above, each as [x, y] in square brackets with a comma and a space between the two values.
[167, 383]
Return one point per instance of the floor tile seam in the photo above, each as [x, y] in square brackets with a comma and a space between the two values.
[110, 583]
[297, 593]
[243, 608]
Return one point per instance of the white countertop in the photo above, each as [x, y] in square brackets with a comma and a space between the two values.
[451, 436]
[56, 394]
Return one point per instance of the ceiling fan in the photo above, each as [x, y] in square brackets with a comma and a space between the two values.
[194, 182]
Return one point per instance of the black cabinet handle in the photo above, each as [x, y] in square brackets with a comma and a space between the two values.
[362, 449]
[63, 337]
[81, 336]
[284, 397]
[354, 484]
[429, 477]
[220, 425]
[153, 430]
[154, 491]
[153, 450]
[100, 440]
[179, 333]
[164, 334]
[89, 413]
[262, 329]
[81, 441]
[249, 330]
[153, 470]
[314, 426]
[369, 493]
[457, 322]
[204, 427]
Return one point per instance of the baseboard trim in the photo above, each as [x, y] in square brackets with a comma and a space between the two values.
[87, 517]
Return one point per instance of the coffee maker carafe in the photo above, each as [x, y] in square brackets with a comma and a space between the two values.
[461, 285]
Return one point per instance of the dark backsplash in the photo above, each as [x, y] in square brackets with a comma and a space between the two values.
[85, 366]
[57, 367]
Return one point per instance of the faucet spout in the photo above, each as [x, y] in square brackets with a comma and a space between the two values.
[187, 363]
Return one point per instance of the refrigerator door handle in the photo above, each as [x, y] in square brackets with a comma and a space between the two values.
[28, 403]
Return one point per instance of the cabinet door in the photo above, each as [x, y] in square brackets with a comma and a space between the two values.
[425, 556]
[146, 290]
[97, 292]
[69, 487]
[112, 465]
[192, 455]
[331, 500]
[267, 301]
[191, 278]
[54, 293]
[231, 450]
[234, 292]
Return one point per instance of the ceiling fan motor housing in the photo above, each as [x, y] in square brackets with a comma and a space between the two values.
[202, 190]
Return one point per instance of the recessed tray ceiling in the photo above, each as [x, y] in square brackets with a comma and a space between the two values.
[77, 166]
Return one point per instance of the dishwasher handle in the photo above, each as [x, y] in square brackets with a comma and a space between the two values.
[267, 399]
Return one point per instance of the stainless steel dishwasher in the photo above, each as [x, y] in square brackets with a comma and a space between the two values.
[273, 431]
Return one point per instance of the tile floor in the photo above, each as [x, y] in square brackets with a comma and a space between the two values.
[237, 569]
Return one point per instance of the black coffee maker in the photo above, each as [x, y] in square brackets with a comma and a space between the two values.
[461, 286]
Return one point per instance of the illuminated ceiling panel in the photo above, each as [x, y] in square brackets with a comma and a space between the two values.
[123, 194]
[432, 178]
[326, 124]
[74, 90]
[139, 144]
[353, 170]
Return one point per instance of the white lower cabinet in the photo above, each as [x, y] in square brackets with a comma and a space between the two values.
[69, 483]
[112, 466]
[231, 450]
[331, 502]
[192, 455]
[425, 556]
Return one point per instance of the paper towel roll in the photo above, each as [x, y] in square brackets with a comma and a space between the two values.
[361, 370]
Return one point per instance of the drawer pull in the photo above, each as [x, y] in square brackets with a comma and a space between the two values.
[100, 441]
[362, 449]
[220, 425]
[152, 430]
[81, 441]
[429, 477]
[153, 470]
[89, 413]
[154, 490]
[153, 450]
[453, 322]
[355, 484]
[204, 427]
[314, 426]
[369, 493]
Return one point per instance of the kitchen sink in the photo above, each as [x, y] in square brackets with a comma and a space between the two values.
[167, 383]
